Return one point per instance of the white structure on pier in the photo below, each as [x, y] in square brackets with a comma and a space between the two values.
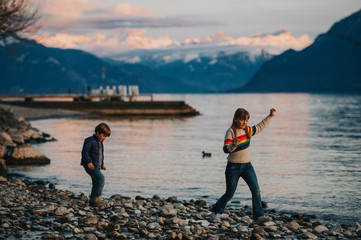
[130, 92]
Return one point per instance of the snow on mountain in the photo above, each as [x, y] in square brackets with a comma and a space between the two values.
[193, 48]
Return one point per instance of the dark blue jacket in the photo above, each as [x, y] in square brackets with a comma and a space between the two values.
[90, 152]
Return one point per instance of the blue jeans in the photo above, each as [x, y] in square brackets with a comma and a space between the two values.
[98, 181]
[233, 172]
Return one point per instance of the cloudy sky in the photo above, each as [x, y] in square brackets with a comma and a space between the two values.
[106, 27]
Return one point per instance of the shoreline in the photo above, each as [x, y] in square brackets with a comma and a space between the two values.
[36, 209]
[41, 113]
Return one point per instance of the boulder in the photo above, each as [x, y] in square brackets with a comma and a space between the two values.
[8, 120]
[2, 151]
[32, 133]
[26, 155]
[2, 168]
[16, 135]
[5, 139]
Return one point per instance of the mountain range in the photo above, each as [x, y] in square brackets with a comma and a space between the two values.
[331, 64]
[33, 67]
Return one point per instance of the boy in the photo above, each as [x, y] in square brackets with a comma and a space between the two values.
[92, 159]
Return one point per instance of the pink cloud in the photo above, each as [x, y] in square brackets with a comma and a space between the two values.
[103, 45]
[63, 40]
[219, 36]
[67, 8]
[138, 39]
[282, 40]
[127, 9]
[129, 39]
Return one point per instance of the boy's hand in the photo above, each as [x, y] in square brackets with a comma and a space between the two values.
[104, 168]
[91, 166]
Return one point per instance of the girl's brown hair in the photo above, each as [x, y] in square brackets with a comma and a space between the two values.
[103, 128]
[240, 113]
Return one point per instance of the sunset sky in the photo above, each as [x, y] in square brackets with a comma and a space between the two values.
[105, 27]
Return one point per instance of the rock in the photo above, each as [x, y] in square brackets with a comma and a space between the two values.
[16, 135]
[309, 235]
[226, 224]
[3, 169]
[6, 140]
[213, 237]
[2, 179]
[50, 236]
[18, 234]
[156, 197]
[320, 229]
[246, 219]
[176, 235]
[26, 154]
[201, 202]
[293, 226]
[259, 231]
[89, 229]
[256, 237]
[3, 151]
[199, 230]
[172, 199]
[153, 225]
[91, 237]
[269, 223]
[91, 220]
[358, 229]
[61, 211]
[347, 233]
[242, 229]
[179, 206]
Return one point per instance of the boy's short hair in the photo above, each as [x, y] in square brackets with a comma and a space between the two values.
[103, 128]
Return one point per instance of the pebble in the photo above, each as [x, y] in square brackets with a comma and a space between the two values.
[68, 216]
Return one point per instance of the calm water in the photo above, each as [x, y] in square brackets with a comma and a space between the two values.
[307, 159]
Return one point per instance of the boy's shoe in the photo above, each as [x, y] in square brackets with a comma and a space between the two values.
[263, 219]
[95, 202]
[216, 216]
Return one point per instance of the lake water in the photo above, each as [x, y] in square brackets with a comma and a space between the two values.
[307, 159]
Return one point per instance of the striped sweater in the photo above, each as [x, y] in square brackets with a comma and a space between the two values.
[241, 153]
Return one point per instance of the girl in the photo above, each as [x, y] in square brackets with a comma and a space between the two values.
[237, 142]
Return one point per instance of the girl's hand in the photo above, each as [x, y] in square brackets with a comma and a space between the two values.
[235, 142]
[91, 166]
[104, 168]
[272, 112]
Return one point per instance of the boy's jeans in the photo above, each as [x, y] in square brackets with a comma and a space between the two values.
[233, 172]
[98, 181]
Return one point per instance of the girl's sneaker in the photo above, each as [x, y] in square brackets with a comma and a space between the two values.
[216, 216]
[263, 219]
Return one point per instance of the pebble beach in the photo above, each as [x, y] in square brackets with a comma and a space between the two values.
[37, 210]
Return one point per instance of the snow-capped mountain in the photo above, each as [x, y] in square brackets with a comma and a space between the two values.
[193, 48]
[331, 64]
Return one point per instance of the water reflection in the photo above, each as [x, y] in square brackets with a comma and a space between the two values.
[307, 159]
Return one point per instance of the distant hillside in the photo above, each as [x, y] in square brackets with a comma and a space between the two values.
[34, 66]
[218, 74]
[207, 69]
[331, 64]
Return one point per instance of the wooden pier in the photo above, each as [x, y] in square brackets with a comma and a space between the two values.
[102, 105]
